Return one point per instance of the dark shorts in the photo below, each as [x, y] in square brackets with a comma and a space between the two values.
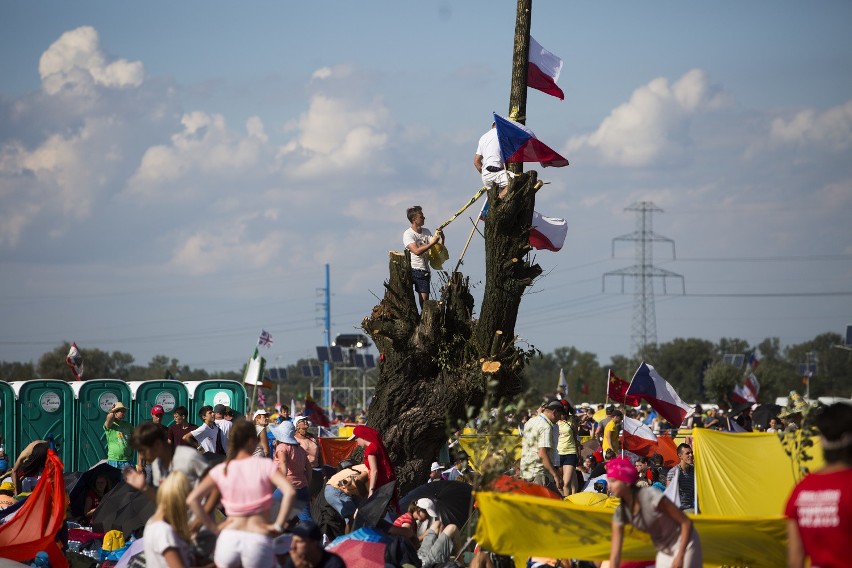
[421, 280]
[568, 459]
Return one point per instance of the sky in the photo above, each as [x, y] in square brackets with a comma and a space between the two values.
[174, 176]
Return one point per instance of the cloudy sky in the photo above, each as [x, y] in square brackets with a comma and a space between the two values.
[175, 176]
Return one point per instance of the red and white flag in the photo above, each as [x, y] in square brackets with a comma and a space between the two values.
[752, 385]
[649, 385]
[548, 233]
[75, 361]
[639, 439]
[543, 70]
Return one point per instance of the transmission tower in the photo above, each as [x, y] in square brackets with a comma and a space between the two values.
[643, 331]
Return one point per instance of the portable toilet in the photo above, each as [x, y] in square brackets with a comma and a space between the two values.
[46, 412]
[93, 399]
[168, 394]
[213, 392]
[7, 419]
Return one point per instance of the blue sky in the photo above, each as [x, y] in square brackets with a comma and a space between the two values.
[174, 176]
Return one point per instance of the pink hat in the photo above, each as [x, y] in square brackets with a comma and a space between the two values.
[622, 470]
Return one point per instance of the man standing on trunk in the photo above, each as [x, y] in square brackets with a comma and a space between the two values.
[418, 239]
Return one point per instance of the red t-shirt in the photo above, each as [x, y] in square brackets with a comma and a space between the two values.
[821, 504]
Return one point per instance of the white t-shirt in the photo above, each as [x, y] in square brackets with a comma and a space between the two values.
[489, 149]
[418, 262]
[186, 460]
[206, 436]
[160, 536]
[225, 426]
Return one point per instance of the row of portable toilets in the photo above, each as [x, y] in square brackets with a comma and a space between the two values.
[72, 414]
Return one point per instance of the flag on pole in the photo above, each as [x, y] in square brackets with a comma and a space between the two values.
[547, 233]
[639, 439]
[562, 385]
[742, 395]
[261, 399]
[315, 413]
[649, 385]
[292, 408]
[519, 144]
[254, 371]
[753, 361]
[75, 361]
[616, 389]
[265, 339]
[543, 70]
[752, 385]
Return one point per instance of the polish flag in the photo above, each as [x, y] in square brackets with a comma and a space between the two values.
[753, 386]
[543, 70]
[548, 233]
[648, 384]
[638, 438]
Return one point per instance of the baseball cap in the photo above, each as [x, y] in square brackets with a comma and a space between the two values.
[555, 404]
[260, 412]
[427, 505]
[157, 409]
[299, 417]
[219, 409]
[308, 530]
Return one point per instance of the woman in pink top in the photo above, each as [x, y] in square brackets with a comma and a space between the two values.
[246, 483]
[292, 462]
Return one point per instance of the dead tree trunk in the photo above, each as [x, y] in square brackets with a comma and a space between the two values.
[436, 364]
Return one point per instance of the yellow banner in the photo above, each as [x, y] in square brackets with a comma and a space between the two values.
[479, 447]
[554, 529]
[746, 473]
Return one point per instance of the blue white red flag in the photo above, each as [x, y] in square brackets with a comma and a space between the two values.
[75, 361]
[265, 339]
[649, 385]
[519, 144]
[315, 413]
[543, 70]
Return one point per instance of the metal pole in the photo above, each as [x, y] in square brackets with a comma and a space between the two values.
[326, 367]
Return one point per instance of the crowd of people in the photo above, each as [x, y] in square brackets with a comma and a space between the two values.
[237, 492]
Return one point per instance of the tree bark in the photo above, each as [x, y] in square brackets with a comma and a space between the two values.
[436, 365]
[520, 64]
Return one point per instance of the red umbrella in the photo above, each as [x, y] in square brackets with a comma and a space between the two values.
[360, 554]
[506, 484]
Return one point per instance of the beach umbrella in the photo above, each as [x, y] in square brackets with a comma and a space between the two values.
[762, 414]
[371, 511]
[123, 508]
[360, 554]
[590, 446]
[452, 500]
[79, 486]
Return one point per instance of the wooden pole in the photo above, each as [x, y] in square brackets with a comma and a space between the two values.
[520, 62]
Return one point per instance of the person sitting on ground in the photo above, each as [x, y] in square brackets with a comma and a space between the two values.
[819, 510]
[246, 483]
[437, 545]
[600, 468]
[95, 495]
[306, 550]
[648, 510]
[166, 536]
[7, 495]
[345, 490]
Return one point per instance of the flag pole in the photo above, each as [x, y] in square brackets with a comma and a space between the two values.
[470, 237]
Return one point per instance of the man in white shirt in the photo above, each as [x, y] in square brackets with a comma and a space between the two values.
[207, 437]
[488, 161]
[418, 239]
[222, 421]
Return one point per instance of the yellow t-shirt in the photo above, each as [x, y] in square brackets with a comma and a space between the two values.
[610, 430]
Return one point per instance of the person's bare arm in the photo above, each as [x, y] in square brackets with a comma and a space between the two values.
[418, 250]
[668, 508]
[374, 474]
[477, 162]
[110, 418]
[193, 500]
[544, 454]
[615, 546]
[795, 550]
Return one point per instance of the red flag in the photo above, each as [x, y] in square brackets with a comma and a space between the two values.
[617, 390]
[34, 526]
[315, 413]
[75, 361]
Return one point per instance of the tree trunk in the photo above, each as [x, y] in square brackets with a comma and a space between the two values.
[436, 365]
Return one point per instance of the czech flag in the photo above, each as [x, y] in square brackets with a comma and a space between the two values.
[548, 233]
[543, 70]
[519, 144]
[649, 385]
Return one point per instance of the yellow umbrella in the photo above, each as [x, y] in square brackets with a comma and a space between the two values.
[599, 415]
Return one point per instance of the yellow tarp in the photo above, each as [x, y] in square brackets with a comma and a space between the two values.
[744, 474]
[479, 447]
[524, 526]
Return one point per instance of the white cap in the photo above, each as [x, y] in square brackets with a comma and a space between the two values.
[299, 417]
[260, 412]
[436, 466]
[427, 505]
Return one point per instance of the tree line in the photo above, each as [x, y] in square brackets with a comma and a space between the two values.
[694, 367]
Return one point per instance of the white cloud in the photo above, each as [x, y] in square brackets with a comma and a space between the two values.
[652, 128]
[206, 147]
[830, 129]
[75, 63]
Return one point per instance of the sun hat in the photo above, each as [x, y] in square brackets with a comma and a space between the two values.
[157, 410]
[299, 417]
[260, 412]
[118, 406]
[427, 505]
[622, 470]
[436, 466]
[284, 433]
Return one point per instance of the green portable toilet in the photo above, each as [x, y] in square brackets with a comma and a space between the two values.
[7, 419]
[93, 399]
[146, 394]
[46, 410]
[213, 392]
